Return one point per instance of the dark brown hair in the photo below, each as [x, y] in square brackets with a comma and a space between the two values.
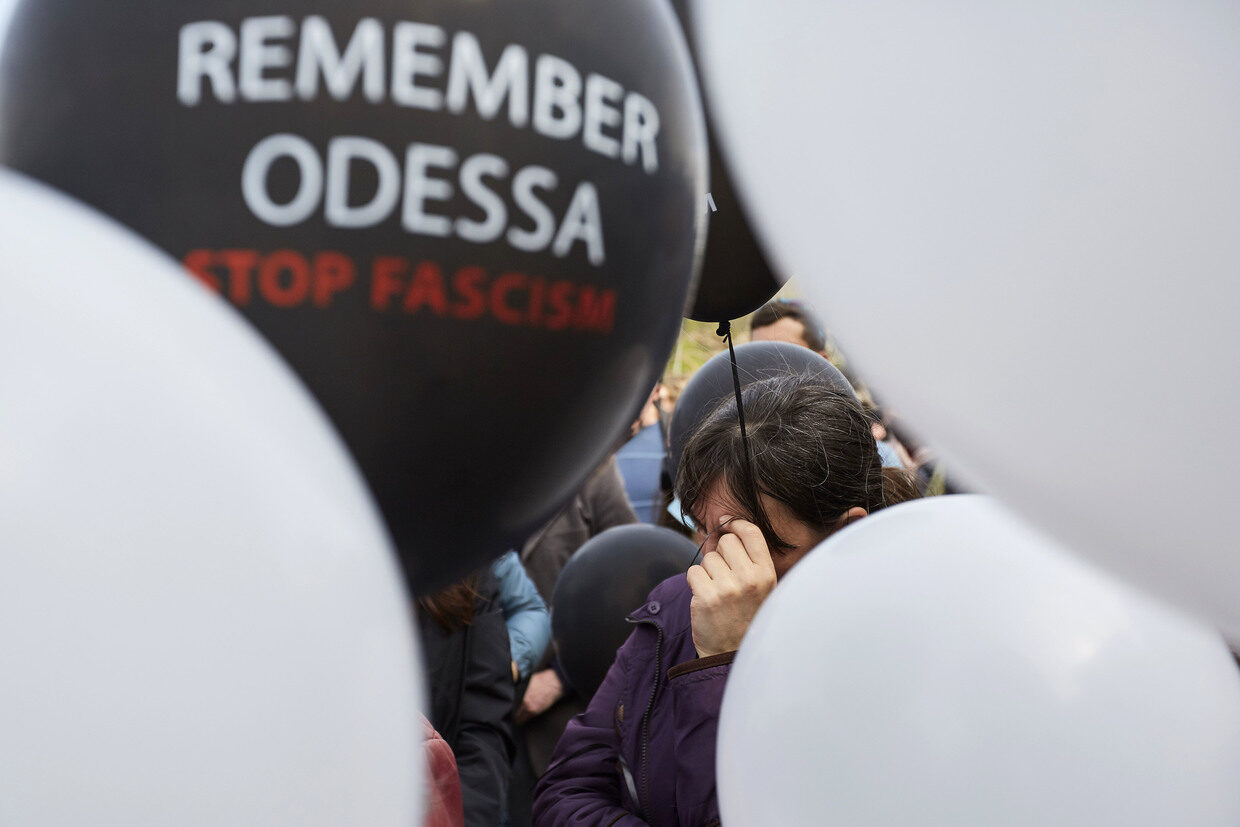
[453, 607]
[771, 312]
[811, 449]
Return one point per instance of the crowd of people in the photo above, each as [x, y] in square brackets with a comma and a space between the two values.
[528, 748]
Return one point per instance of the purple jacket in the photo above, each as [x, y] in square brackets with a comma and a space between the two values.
[644, 751]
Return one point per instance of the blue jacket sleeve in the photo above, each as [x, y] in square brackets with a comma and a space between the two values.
[525, 613]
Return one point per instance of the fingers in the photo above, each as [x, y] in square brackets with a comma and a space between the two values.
[717, 566]
[745, 579]
[700, 582]
[739, 562]
[732, 551]
[732, 574]
[753, 542]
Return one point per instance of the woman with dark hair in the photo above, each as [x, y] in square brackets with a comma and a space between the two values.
[465, 643]
[644, 750]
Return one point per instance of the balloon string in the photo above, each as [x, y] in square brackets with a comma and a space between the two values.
[725, 330]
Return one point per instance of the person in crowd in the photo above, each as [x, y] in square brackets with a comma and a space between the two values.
[788, 320]
[673, 386]
[931, 472]
[792, 321]
[443, 785]
[666, 511]
[640, 460]
[525, 615]
[644, 750]
[465, 644]
[598, 504]
[893, 452]
[548, 703]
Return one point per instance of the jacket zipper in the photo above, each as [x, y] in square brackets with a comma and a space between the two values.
[645, 724]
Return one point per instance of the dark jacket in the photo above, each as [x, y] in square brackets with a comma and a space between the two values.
[644, 750]
[470, 677]
[598, 505]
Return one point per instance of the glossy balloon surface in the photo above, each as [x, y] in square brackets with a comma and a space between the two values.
[470, 227]
[713, 383]
[1019, 220]
[605, 580]
[940, 663]
[202, 619]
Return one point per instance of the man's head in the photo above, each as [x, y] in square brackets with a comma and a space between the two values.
[788, 321]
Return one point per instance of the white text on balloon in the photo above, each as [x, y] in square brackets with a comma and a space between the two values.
[581, 221]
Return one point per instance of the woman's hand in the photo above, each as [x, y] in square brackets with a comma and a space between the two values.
[729, 587]
[542, 693]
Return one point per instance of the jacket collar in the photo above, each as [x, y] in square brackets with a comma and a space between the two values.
[667, 607]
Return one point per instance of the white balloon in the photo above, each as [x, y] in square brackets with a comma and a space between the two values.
[1021, 220]
[6, 14]
[201, 617]
[940, 664]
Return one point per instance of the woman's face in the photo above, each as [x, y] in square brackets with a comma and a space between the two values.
[719, 504]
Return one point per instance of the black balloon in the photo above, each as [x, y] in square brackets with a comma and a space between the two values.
[471, 227]
[712, 385]
[736, 277]
[606, 579]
